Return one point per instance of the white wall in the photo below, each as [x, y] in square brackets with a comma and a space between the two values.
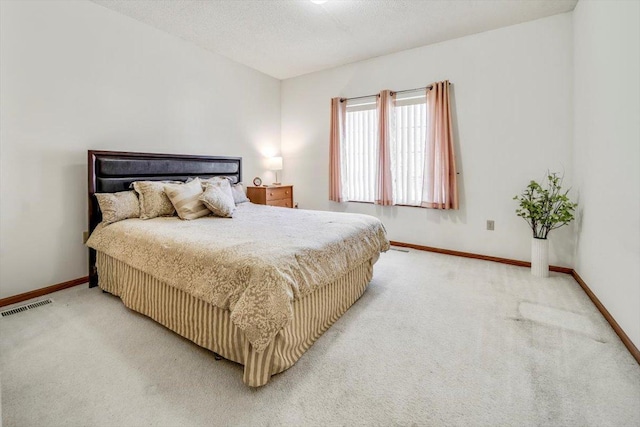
[607, 155]
[77, 76]
[512, 106]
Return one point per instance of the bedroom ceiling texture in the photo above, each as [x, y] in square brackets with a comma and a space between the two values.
[288, 38]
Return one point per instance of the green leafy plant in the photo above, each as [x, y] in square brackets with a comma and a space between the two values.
[545, 208]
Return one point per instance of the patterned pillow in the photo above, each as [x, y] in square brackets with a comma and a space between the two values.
[204, 181]
[239, 193]
[216, 179]
[223, 183]
[185, 198]
[153, 201]
[118, 206]
[218, 198]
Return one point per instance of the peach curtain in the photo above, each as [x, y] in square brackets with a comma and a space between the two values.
[440, 188]
[384, 185]
[338, 118]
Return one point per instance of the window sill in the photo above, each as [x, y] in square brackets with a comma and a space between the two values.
[386, 206]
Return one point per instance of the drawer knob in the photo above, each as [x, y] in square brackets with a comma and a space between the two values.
[286, 192]
[271, 194]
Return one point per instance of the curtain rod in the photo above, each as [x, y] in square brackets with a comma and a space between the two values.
[392, 92]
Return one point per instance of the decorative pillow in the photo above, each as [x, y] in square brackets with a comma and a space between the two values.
[213, 180]
[153, 201]
[239, 193]
[223, 183]
[205, 180]
[118, 206]
[217, 197]
[185, 198]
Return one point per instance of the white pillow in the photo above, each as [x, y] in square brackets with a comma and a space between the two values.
[186, 199]
[218, 199]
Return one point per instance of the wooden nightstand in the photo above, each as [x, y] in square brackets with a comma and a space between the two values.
[281, 195]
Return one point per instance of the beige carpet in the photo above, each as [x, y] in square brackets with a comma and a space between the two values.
[435, 340]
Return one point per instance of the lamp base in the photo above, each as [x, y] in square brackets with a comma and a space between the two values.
[276, 183]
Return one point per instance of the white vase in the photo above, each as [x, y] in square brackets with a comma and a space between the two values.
[539, 257]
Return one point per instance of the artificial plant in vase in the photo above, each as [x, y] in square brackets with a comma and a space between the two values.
[545, 209]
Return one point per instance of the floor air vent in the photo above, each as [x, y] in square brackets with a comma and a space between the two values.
[25, 307]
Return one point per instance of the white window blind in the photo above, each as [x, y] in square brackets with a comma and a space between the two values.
[361, 150]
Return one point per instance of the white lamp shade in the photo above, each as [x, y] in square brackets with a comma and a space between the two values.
[274, 163]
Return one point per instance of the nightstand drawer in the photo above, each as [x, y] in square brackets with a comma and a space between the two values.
[284, 203]
[272, 196]
[278, 193]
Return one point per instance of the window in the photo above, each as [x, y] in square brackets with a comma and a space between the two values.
[394, 148]
[409, 130]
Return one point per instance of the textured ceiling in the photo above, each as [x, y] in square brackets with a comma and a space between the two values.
[287, 38]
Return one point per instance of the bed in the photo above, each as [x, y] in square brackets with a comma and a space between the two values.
[257, 289]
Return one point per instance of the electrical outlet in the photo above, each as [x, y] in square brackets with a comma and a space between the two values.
[296, 205]
[85, 236]
[490, 225]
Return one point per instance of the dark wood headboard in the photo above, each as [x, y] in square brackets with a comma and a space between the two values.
[113, 171]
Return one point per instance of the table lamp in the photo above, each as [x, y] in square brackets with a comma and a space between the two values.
[275, 164]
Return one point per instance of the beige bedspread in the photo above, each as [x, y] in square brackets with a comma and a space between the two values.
[254, 264]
